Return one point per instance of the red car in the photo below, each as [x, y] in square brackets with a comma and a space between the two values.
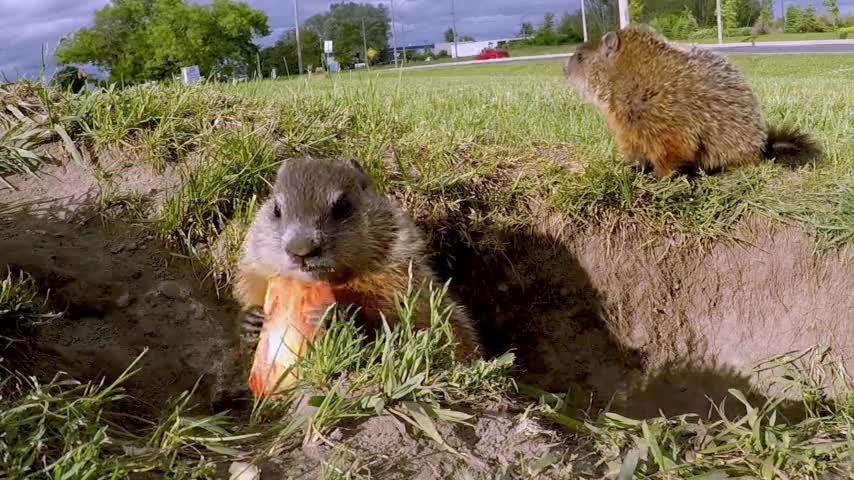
[492, 53]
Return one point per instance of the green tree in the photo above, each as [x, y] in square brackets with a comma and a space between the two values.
[833, 9]
[548, 23]
[793, 19]
[449, 35]
[285, 50]
[546, 34]
[809, 21]
[762, 25]
[152, 39]
[566, 29]
[343, 25]
[729, 15]
[526, 29]
[635, 11]
[467, 38]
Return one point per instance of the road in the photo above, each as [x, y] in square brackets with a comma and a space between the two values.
[761, 48]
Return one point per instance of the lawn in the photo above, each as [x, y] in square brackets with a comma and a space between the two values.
[776, 37]
[470, 151]
[527, 104]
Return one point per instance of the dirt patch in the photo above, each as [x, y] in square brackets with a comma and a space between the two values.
[388, 448]
[121, 294]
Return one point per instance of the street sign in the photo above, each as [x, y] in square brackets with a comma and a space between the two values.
[327, 46]
[190, 75]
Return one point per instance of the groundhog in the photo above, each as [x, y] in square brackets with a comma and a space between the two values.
[678, 109]
[325, 222]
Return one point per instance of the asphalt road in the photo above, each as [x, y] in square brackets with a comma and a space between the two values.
[763, 48]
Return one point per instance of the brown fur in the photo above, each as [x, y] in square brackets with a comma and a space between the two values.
[677, 109]
[366, 257]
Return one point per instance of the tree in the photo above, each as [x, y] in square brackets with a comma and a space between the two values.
[548, 23]
[793, 19]
[833, 9]
[343, 25]
[809, 21]
[729, 15]
[285, 49]
[566, 29]
[449, 35]
[467, 38]
[152, 39]
[762, 25]
[635, 11]
[526, 29]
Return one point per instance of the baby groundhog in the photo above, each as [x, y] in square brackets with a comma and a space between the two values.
[325, 222]
[676, 109]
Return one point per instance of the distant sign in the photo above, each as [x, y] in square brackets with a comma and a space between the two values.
[273, 73]
[190, 75]
[327, 46]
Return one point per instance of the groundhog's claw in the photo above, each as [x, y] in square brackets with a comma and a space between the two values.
[251, 321]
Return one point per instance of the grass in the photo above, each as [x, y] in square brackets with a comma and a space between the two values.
[463, 148]
[432, 116]
[775, 37]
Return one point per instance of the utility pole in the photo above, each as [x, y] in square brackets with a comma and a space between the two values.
[583, 20]
[299, 45]
[454, 26]
[720, 27]
[287, 72]
[623, 6]
[393, 35]
[257, 66]
[365, 46]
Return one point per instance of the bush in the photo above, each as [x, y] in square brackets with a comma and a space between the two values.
[702, 33]
[843, 32]
[762, 26]
[443, 54]
[675, 26]
[740, 32]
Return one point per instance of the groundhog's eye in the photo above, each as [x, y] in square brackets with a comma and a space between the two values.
[277, 212]
[578, 56]
[342, 208]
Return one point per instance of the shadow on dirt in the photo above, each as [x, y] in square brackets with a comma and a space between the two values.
[120, 292]
[536, 299]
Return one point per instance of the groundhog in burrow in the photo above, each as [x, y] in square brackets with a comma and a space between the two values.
[325, 222]
[678, 109]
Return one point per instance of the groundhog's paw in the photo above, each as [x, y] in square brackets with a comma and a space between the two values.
[251, 322]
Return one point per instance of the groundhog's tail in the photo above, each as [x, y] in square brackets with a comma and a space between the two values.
[790, 146]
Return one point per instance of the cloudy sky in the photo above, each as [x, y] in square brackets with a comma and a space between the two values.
[26, 25]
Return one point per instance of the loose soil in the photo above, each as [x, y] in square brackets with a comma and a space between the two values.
[648, 323]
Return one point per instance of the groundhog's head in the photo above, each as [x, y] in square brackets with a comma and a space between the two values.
[589, 69]
[323, 221]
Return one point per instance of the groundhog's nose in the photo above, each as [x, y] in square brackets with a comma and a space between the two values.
[303, 247]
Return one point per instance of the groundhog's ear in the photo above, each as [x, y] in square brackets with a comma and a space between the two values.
[611, 42]
[364, 178]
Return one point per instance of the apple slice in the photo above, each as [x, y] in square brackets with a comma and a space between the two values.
[291, 307]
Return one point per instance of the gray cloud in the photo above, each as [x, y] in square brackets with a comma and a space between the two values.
[25, 25]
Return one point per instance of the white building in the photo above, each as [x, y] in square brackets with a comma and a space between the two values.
[470, 49]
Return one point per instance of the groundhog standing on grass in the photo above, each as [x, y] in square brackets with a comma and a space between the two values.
[678, 109]
[325, 222]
